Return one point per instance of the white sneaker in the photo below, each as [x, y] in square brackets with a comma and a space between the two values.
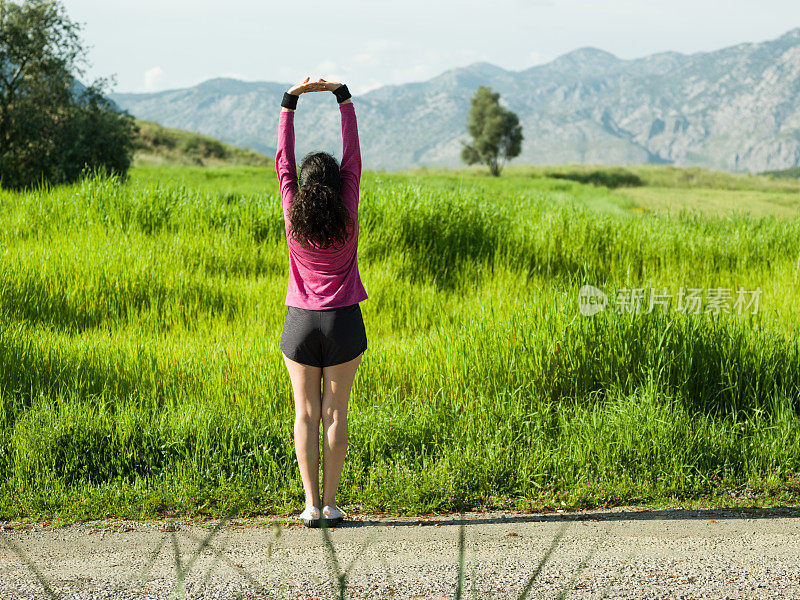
[310, 516]
[333, 516]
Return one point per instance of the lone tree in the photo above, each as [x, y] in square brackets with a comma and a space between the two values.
[496, 132]
[52, 128]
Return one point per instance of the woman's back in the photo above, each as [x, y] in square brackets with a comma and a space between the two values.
[322, 277]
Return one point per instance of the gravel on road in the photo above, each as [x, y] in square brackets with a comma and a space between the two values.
[625, 552]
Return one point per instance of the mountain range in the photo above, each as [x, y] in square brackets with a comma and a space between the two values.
[735, 109]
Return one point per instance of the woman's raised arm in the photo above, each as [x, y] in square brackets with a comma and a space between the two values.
[285, 164]
[351, 149]
[284, 156]
[350, 167]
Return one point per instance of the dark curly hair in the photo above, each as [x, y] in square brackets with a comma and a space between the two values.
[318, 215]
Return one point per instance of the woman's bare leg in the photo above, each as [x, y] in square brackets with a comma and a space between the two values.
[336, 383]
[307, 402]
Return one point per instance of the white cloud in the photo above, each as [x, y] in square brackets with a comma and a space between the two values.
[365, 59]
[153, 78]
[327, 65]
[627, 8]
[329, 71]
[537, 58]
[418, 72]
[363, 88]
[284, 74]
[234, 75]
[376, 52]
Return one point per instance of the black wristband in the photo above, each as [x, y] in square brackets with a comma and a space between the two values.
[341, 93]
[289, 100]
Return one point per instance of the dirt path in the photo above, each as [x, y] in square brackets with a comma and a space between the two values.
[721, 553]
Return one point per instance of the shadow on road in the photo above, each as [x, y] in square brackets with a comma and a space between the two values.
[608, 515]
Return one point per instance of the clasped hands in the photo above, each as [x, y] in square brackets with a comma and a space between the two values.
[314, 86]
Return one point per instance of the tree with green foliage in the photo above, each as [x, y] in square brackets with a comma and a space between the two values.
[52, 128]
[495, 131]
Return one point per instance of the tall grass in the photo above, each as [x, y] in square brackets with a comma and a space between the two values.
[140, 372]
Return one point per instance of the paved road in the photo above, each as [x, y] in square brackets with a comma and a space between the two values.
[619, 553]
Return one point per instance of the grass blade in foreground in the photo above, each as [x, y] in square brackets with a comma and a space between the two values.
[527, 588]
[29, 563]
[568, 586]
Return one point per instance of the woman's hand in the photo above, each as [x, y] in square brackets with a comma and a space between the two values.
[327, 86]
[307, 86]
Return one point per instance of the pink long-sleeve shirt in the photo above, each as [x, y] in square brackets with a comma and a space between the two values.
[322, 277]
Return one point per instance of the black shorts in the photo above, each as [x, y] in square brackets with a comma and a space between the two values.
[321, 338]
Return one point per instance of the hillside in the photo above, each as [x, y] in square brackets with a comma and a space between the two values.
[732, 109]
[785, 173]
[157, 145]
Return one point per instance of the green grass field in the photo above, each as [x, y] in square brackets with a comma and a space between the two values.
[141, 373]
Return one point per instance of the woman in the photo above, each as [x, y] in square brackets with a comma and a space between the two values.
[323, 334]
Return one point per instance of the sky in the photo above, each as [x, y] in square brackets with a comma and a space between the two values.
[154, 45]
